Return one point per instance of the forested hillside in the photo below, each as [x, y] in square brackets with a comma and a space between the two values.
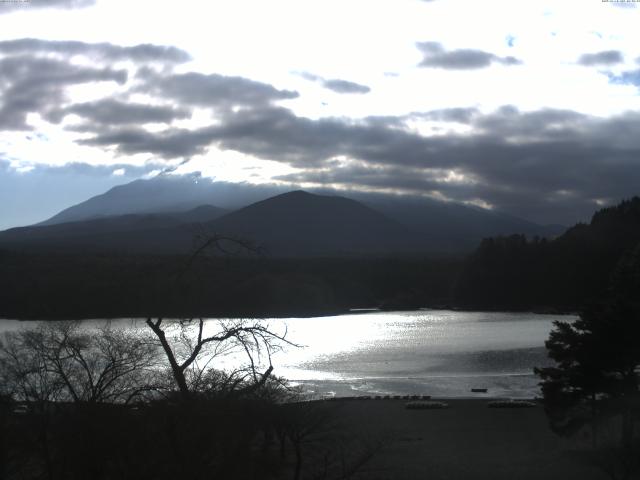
[516, 273]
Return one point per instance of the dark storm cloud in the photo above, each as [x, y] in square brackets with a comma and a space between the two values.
[116, 112]
[100, 51]
[436, 56]
[547, 165]
[546, 124]
[362, 175]
[554, 182]
[34, 76]
[270, 132]
[607, 57]
[168, 144]
[212, 90]
[336, 85]
[192, 89]
[36, 85]
[7, 7]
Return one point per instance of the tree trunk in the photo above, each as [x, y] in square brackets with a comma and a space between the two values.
[627, 428]
[298, 470]
[178, 373]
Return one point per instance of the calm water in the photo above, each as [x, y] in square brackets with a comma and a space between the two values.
[440, 353]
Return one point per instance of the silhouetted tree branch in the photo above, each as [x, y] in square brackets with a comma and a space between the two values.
[183, 351]
[252, 337]
[63, 361]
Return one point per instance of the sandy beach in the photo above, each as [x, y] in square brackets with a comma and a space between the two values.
[467, 440]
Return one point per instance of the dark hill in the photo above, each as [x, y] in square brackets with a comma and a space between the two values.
[135, 233]
[516, 273]
[292, 224]
[451, 227]
[200, 214]
[303, 224]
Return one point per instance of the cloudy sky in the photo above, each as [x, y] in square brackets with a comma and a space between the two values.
[530, 107]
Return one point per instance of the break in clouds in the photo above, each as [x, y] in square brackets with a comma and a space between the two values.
[548, 165]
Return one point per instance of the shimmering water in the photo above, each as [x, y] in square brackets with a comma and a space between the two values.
[436, 352]
[439, 353]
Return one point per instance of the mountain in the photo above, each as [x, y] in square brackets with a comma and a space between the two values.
[163, 194]
[292, 224]
[452, 227]
[443, 227]
[304, 224]
[154, 233]
[199, 214]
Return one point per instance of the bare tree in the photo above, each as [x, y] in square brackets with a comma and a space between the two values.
[25, 375]
[190, 353]
[62, 361]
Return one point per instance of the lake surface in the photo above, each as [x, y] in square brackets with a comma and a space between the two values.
[432, 352]
[439, 353]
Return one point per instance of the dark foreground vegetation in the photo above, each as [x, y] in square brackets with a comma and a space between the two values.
[79, 402]
[593, 388]
[212, 438]
[56, 286]
[82, 402]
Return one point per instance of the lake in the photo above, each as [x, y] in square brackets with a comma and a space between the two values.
[441, 353]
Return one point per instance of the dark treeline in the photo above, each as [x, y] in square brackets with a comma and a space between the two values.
[88, 286]
[504, 273]
[592, 387]
[517, 273]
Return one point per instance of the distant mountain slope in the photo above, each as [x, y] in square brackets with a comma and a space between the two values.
[292, 224]
[153, 233]
[301, 223]
[451, 227]
[442, 227]
[161, 195]
[199, 214]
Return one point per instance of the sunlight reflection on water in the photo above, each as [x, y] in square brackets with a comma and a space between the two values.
[435, 352]
[442, 353]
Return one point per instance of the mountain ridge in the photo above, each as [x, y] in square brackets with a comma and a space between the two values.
[419, 224]
[299, 222]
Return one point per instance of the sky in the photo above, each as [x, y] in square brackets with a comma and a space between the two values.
[529, 107]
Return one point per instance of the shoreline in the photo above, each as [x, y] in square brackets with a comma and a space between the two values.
[281, 316]
[506, 386]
